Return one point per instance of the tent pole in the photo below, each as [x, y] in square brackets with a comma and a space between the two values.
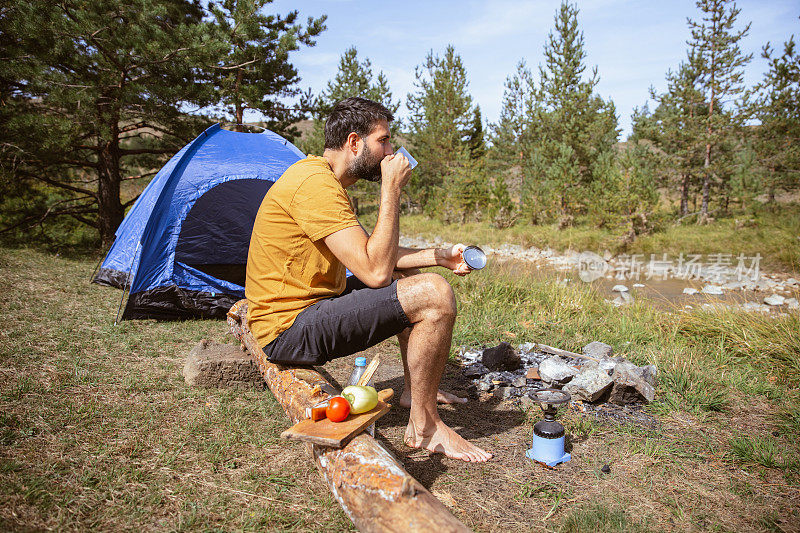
[127, 282]
[97, 266]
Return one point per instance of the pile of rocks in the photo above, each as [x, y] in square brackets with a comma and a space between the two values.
[597, 377]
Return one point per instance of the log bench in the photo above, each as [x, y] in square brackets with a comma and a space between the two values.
[369, 483]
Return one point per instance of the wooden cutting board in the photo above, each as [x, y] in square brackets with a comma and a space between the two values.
[337, 434]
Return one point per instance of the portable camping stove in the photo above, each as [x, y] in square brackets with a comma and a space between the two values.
[548, 434]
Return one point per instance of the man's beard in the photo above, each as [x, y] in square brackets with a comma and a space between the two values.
[366, 166]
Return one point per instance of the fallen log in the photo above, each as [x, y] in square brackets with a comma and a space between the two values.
[369, 483]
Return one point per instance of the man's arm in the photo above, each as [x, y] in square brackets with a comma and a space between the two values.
[372, 258]
[449, 258]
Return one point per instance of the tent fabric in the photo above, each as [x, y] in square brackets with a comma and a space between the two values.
[183, 246]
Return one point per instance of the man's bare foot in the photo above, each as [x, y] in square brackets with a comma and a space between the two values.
[441, 439]
[441, 397]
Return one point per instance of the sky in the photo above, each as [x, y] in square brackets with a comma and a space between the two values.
[633, 43]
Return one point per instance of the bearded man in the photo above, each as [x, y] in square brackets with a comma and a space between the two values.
[302, 308]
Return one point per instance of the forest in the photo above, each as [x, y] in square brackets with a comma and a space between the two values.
[90, 113]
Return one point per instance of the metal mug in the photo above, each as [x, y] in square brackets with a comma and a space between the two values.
[474, 257]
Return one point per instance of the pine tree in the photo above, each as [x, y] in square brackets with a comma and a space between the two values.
[353, 78]
[475, 142]
[570, 126]
[255, 72]
[95, 98]
[511, 142]
[440, 121]
[95, 95]
[626, 191]
[776, 104]
[675, 128]
[719, 64]
[513, 135]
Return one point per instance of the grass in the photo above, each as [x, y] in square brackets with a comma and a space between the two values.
[772, 234]
[594, 518]
[99, 431]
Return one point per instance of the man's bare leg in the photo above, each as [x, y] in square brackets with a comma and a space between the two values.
[402, 340]
[405, 399]
[429, 303]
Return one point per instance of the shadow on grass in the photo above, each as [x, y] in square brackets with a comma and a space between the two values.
[473, 420]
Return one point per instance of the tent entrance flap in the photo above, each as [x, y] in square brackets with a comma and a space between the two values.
[215, 236]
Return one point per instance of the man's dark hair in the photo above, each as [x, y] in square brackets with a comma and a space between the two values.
[353, 114]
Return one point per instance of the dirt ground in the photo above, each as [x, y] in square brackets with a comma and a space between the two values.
[664, 476]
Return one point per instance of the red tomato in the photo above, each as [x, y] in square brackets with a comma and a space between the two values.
[338, 409]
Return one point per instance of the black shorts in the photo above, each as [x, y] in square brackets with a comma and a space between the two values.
[342, 325]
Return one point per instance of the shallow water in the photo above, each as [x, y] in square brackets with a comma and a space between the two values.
[665, 294]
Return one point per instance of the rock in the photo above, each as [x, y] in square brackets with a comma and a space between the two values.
[733, 285]
[469, 354]
[556, 370]
[504, 393]
[712, 289]
[590, 383]
[598, 349]
[619, 288]
[792, 281]
[501, 357]
[650, 374]
[526, 347]
[760, 285]
[500, 377]
[532, 373]
[527, 402]
[520, 382]
[484, 386]
[690, 291]
[624, 298]
[629, 385]
[210, 364]
[606, 469]
[792, 303]
[774, 299]
[754, 306]
[638, 285]
[608, 363]
[474, 370]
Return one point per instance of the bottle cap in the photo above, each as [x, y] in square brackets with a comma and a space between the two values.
[361, 361]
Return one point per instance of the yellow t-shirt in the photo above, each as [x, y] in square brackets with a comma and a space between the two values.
[288, 265]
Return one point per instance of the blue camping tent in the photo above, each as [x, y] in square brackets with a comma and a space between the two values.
[182, 248]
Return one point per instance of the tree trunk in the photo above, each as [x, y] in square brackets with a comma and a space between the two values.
[372, 487]
[684, 194]
[238, 102]
[109, 207]
[706, 183]
[709, 131]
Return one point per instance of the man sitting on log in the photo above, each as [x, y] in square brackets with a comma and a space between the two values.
[302, 308]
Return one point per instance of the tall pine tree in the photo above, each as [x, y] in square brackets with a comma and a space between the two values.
[254, 72]
[570, 125]
[719, 63]
[94, 98]
[676, 129]
[776, 104]
[95, 94]
[440, 122]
